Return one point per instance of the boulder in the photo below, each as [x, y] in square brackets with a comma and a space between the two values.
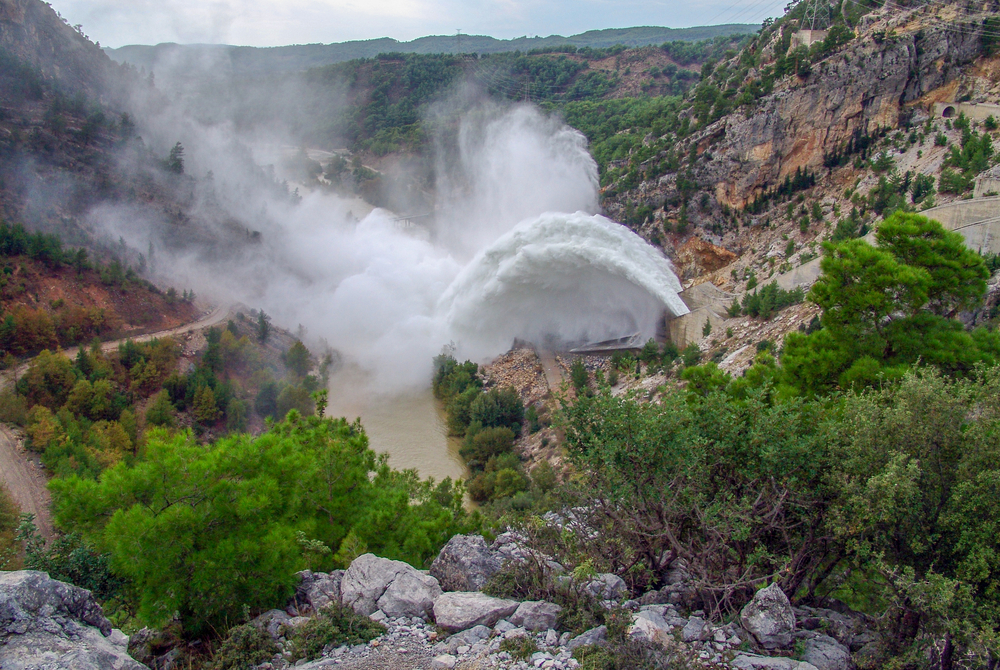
[694, 629]
[272, 622]
[650, 626]
[465, 564]
[826, 653]
[595, 636]
[444, 662]
[456, 610]
[317, 590]
[607, 586]
[398, 589]
[769, 618]
[536, 615]
[48, 624]
[752, 662]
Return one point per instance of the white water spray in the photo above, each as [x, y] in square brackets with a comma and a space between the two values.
[568, 277]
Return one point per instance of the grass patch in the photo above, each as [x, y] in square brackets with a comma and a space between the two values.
[333, 625]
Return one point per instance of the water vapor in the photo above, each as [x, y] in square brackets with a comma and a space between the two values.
[516, 248]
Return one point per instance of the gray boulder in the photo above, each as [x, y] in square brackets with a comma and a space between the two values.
[398, 589]
[456, 610]
[317, 590]
[272, 622]
[753, 662]
[650, 626]
[826, 653]
[607, 586]
[465, 564]
[48, 624]
[694, 629]
[536, 615]
[769, 618]
[595, 636]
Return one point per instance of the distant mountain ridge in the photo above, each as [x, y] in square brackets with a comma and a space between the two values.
[265, 60]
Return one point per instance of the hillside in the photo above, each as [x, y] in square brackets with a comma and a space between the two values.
[237, 60]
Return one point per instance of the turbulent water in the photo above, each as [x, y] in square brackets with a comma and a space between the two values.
[568, 277]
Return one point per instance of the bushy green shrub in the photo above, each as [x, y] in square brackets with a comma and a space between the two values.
[333, 625]
[521, 647]
[245, 647]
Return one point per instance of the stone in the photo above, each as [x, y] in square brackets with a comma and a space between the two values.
[272, 622]
[465, 564]
[318, 589]
[118, 638]
[694, 629]
[536, 615]
[551, 638]
[650, 626]
[444, 662]
[769, 618]
[826, 653]
[45, 623]
[503, 626]
[595, 636]
[398, 589]
[677, 572]
[458, 610]
[607, 586]
[753, 662]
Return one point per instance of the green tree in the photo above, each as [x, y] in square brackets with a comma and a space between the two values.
[263, 326]
[161, 411]
[203, 530]
[297, 359]
[205, 409]
[175, 161]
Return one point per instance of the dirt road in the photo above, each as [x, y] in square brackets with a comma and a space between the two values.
[23, 477]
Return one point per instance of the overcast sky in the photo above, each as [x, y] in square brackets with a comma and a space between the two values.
[116, 23]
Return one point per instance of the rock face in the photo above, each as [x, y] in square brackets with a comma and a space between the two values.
[651, 627]
[465, 564]
[608, 587]
[827, 654]
[398, 589]
[47, 624]
[457, 611]
[535, 615]
[318, 589]
[769, 618]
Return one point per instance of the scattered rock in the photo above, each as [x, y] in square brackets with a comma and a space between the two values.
[465, 564]
[48, 624]
[826, 653]
[456, 610]
[769, 618]
[317, 589]
[272, 622]
[607, 587]
[751, 662]
[650, 626]
[444, 662]
[535, 615]
[595, 636]
[372, 583]
[694, 629]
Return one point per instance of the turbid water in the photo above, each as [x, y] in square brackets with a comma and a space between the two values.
[409, 426]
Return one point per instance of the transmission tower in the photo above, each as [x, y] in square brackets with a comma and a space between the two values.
[817, 12]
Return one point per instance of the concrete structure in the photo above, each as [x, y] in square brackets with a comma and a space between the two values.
[977, 220]
[807, 38]
[977, 111]
[988, 183]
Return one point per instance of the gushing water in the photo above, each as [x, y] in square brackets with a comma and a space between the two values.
[572, 277]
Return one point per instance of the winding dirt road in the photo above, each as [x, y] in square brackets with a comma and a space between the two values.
[23, 475]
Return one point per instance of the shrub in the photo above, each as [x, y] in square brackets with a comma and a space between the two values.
[333, 625]
[245, 647]
[521, 647]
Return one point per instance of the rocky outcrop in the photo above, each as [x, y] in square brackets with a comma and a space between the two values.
[535, 615]
[396, 588]
[465, 564]
[317, 590]
[457, 611]
[48, 624]
[769, 618]
[826, 653]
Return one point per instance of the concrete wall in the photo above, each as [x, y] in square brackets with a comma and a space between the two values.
[807, 38]
[986, 185]
[977, 220]
[975, 111]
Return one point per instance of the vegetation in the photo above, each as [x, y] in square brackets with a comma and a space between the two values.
[203, 530]
[335, 626]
